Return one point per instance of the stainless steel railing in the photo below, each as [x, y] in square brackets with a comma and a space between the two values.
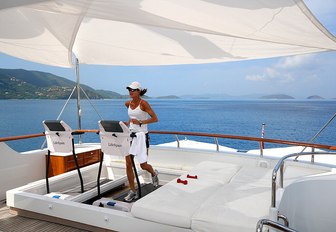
[280, 166]
[211, 135]
[245, 138]
[272, 224]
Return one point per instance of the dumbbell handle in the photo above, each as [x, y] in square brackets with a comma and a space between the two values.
[192, 177]
[185, 182]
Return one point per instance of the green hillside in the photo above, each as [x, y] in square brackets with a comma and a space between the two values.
[23, 84]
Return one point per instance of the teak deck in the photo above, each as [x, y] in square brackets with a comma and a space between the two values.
[11, 221]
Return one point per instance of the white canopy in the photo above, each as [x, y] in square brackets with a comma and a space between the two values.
[158, 32]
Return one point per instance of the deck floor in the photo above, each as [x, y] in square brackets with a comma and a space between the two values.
[10, 221]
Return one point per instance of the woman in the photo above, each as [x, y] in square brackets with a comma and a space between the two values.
[138, 111]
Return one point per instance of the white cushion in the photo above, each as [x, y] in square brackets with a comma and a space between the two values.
[256, 176]
[175, 203]
[238, 205]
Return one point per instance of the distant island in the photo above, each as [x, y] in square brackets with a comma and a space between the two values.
[24, 84]
[316, 97]
[168, 97]
[277, 96]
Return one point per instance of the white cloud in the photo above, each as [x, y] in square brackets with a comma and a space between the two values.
[294, 61]
[285, 70]
[271, 73]
[255, 78]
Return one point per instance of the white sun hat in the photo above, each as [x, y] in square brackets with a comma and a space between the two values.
[134, 85]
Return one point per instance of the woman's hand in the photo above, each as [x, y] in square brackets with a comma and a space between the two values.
[127, 123]
[134, 121]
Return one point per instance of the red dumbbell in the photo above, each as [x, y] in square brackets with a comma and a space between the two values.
[185, 182]
[192, 177]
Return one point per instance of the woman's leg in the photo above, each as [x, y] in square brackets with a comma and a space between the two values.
[129, 172]
[154, 173]
[148, 168]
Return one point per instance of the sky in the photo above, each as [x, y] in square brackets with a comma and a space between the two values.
[298, 76]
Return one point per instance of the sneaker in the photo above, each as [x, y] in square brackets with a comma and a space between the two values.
[131, 196]
[155, 179]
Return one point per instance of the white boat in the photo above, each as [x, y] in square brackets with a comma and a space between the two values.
[202, 189]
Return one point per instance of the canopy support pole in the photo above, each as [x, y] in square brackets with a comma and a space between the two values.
[79, 111]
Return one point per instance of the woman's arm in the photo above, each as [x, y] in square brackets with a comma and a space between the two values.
[147, 108]
[127, 103]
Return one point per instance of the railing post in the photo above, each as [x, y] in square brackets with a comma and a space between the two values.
[261, 150]
[262, 145]
[313, 157]
[178, 141]
[281, 175]
[216, 142]
[273, 197]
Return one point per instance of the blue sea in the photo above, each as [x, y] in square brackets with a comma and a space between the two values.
[297, 120]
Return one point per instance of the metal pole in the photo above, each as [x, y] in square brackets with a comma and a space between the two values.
[272, 224]
[77, 166]
[320, 131]
[136, 176]
[217, 144]
[79, 111]
[178, 141]
[262, 145]
[317, 134]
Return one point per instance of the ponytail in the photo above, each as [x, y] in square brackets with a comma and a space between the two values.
[142, 92]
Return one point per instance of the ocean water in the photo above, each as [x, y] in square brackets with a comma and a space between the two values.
[284, 119]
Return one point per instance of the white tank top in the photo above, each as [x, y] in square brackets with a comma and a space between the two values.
[138, 114]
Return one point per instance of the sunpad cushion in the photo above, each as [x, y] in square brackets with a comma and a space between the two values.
[238, 205]
[175, 203]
